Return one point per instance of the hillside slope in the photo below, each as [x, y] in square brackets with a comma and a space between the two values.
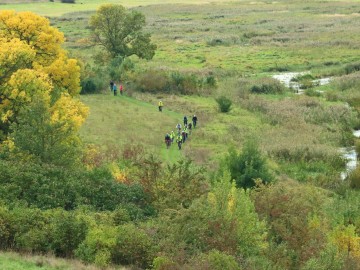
[121, 120]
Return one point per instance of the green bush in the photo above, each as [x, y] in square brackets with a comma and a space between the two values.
[68, 231]
[46, 187]
[215, 260]
[247, 166]
[312, 93]
[164, 263]
[155, 81]
[224, 104]
[152, 81]
[353, 67]
[98, 245]
[354, 178]
[88, 86]
[5, 228]
[267, 86]
[347, 82]
[185, 83]
[133, 247]
[31, 229]
[68, 1]
[210, 81]
[125, 244]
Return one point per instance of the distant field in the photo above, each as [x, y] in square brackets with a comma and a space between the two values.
[246, 37]
[57, 8]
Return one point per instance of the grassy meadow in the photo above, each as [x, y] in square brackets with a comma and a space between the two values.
[234, 40]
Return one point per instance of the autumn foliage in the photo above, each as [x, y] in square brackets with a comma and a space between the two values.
[34, 67]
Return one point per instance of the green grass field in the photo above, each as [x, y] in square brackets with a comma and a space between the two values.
[57, 8]
[122, 120]
[224, 37]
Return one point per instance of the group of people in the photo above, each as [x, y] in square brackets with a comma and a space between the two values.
[182, 133]
[113, 88]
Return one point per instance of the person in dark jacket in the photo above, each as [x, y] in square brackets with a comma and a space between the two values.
[194, 120]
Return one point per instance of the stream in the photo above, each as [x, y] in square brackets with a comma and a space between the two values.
[348, 153]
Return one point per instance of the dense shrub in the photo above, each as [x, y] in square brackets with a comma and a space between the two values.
[133, 247]
[43, 186]
[5, 228]
[98, 245]
[312, 93]
[215, 260]
[292, 210]
[155, 81]
[223, 220]
[119, 68]
[267, 86]
[353, 67]
[224, 104]
[67, 232]
[68, 1]
[185, 83]
[248, 166]
[126, 245]
[210, 80]
[347, 82]
[47, 187]
[88, 86]
[152, 81]
[31, 230]
[354, 178]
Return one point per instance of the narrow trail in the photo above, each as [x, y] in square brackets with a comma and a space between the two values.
[171, 154]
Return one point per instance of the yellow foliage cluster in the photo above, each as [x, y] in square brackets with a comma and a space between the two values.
[118, 174]
[347, 240]
[34, 31]
[33, 65]
[69, 111]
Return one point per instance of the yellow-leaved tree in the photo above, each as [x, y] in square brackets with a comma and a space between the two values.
[39, 84]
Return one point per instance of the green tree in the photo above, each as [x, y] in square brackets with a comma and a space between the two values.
[38, 135]
[248, 166]
[298, 227]
[120, 32]
[224, 220]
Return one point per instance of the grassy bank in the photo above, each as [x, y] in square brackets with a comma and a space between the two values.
[14, 261]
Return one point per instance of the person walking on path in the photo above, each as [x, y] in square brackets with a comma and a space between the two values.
[178, 126]
[179, 141]
[194, 120]
[111, 86]
[189, 127]
[121, 89]
[172, 136]
[183, 135]
[185, 120]
[167, 140]
[115, 89]
[160, 105]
